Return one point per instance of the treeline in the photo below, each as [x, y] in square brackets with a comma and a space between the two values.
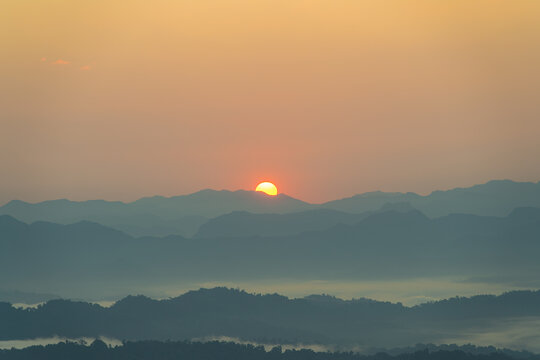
[273, 319]
[154, 350]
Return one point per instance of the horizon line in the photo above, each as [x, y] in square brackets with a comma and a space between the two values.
[279, 194]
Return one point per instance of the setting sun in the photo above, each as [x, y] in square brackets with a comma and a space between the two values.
[267, 187]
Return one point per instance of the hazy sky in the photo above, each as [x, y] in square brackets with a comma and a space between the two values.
[123, 99]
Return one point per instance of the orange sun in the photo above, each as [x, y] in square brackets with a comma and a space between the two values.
[267, 187]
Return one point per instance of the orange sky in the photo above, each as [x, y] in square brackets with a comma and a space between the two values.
[123, 99]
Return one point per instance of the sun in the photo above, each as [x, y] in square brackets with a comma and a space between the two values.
[268, 188]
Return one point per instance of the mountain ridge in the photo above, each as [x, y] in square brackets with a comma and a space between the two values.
[221, 311]
[185, 214]
[385, 245]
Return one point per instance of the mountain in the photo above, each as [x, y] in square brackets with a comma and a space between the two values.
[385, 245]
[184, 215]
[494, 198]
[243, 223]
[222, 312]
[154, 216]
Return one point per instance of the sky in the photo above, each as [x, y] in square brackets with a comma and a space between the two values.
[114, 99]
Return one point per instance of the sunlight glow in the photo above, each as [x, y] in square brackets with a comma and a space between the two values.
[267, 187]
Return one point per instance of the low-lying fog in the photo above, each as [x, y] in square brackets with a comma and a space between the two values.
[515, 334]
[19, 344]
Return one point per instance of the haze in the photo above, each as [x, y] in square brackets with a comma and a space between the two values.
[132, 98]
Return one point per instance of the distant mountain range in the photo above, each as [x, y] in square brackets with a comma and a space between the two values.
[184, 215]
[494, 198]
[243, 223]
[379, 246]
[317, 319]
[103, 249]
[155, 216]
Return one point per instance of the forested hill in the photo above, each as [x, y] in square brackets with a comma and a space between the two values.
[153, 350]
[269, 318]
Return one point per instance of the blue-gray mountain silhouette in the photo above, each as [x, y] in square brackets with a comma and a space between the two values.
[381, 246]
[494, 198]
[155, 216]
[183, 215]
[243, 223]
[269, 318]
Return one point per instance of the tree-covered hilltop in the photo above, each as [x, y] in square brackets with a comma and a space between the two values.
[154, 350]
[272, 318]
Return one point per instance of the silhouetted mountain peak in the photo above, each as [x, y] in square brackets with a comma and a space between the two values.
[90, 226]
[323, 298]
[246, 224]
[66, 306]
[224, 296]
[8, 220]
[215, 292]
[494, 198]
[132, 302]
[14, 203]
[502, 187]
[98, 345]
